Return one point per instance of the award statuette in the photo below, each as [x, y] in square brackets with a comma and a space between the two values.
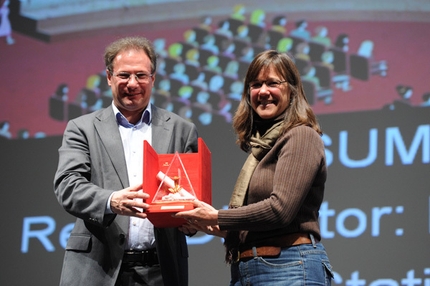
[174, 181]
[175, 184]
[176, 191]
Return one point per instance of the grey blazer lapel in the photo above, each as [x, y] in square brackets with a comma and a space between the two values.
[161, 130]
[107, 128]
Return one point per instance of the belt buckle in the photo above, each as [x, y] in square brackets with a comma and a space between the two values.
[237, 257]
[233, 256]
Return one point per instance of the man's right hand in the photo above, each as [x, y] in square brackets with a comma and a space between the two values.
[130, 201]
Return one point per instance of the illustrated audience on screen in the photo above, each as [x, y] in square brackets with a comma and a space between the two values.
[227, 47]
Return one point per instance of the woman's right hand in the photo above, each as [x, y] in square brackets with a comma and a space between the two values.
[192, 228]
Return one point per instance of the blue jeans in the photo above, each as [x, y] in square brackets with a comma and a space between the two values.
[305, 264]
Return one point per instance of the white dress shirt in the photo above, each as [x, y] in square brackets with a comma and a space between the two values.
[141, 231]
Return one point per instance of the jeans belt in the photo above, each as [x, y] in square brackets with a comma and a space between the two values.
[271, 247]
[142, 257]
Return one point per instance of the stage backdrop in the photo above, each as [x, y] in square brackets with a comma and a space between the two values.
[366, 76]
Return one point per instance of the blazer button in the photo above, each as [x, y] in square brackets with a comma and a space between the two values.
[121, 239]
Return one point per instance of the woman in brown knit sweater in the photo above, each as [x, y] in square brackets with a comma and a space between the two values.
[271, 229]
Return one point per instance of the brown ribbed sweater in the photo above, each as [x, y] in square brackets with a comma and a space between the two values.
[285, 191]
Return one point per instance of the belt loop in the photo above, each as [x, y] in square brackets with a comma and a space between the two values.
[313, 240]
[254, 251]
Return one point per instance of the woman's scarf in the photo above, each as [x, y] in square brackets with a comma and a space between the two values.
[260, 146]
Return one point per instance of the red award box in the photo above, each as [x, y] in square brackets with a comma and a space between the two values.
[167, 176]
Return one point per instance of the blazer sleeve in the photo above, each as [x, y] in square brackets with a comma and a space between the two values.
[77, 185]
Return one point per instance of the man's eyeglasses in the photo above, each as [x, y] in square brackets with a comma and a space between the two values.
[139, 77]
[271, 84]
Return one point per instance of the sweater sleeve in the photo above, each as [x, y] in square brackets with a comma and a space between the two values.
[286, 188]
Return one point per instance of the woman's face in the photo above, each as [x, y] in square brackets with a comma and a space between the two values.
[269, 94]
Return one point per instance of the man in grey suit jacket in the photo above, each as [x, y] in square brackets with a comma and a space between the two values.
[99, 182]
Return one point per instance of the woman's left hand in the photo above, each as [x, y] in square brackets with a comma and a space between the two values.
[203, 214]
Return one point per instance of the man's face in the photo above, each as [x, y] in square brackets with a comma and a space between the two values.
[131, 96]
